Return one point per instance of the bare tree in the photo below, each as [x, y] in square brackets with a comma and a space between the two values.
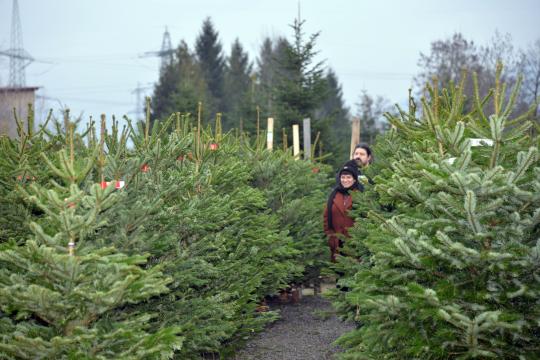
[370, 110]
[529, 67]
[447, 60]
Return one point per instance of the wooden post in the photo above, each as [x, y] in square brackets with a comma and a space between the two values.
[258, 123]
[355, 134]
[307, 138]
[101, 148]
[296, 140]
[270, 134]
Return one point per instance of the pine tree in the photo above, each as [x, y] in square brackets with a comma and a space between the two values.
[452, 272]
[213, 65]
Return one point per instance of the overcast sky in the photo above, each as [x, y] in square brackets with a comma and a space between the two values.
[88, 53]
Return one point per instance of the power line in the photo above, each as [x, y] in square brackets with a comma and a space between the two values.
[85, 100]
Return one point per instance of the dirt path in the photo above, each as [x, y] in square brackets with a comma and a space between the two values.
[305, 332]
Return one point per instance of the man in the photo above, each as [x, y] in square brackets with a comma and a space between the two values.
[362, 157]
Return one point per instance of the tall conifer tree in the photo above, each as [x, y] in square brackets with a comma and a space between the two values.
[300, 87]
[335, 116]
[213, 65]
[181, 85]
[238, 84]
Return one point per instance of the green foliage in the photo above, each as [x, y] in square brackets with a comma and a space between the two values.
[172, 264]
[57, 303]
[296, 192]
[452, 271]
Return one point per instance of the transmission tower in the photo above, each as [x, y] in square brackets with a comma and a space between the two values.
[140, 106]
[19, 59]
[166, 52]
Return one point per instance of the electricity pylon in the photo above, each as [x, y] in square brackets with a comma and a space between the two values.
[19, 58]
[166, 52]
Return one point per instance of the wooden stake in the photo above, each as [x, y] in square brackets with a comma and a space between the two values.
[315, 143]
[285, 142]
[355, 134]
[218, 127]
[71, 146]
[198, 145]
[30, 124]
[270, 134]
[101, 146]
[296, 141]
[258, 122]
[307, 138]
[71, 247]
[147, 122]
[66, 125]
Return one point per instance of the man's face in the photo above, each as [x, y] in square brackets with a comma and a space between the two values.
[361, 157]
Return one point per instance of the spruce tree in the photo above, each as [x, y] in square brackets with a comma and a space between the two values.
[300, 86]
[271, 55]
[335, 116]
[266, 69]
[238, 83]
[181, 87]
[453, 271]
[212, 61]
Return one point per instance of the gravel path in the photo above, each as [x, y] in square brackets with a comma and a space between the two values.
[305, 332]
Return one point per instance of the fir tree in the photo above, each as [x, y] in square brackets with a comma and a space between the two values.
[266, 76]
[452, 272]
[335, 115]
[59, 293]
[213, 65]
[181, 86]
[271, 55]
[238, 83]
[300, 86]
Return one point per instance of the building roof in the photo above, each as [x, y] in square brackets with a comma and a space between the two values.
[19, 89]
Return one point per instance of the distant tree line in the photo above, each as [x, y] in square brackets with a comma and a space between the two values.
[285, 82]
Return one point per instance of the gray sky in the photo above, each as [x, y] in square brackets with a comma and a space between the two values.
[93, 47]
